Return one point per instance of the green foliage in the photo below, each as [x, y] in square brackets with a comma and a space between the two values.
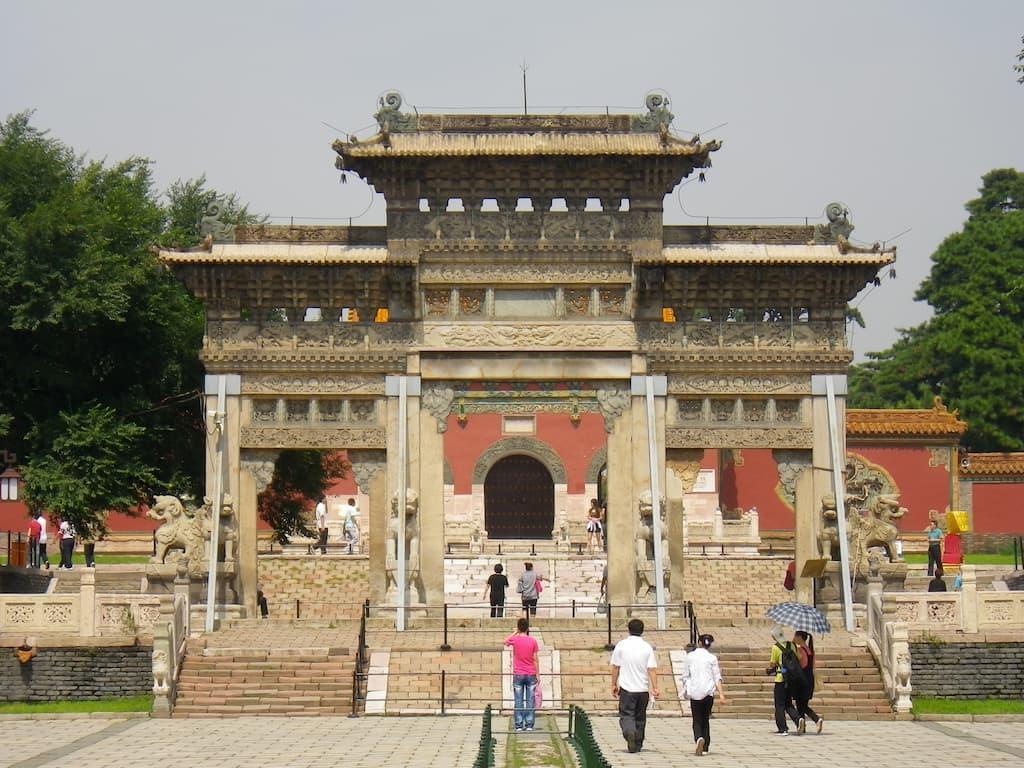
[924, 705]
[300, 478]
[187, 203]
[92, 466]
[127, 704]
[1019, 66]
[971, 352]
[97, 340]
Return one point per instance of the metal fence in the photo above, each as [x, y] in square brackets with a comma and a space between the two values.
[581, 736]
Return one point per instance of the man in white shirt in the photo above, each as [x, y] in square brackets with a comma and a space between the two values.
[702, 677]
[349, 513]
[42, 558]
[321, 524]
[634, 679]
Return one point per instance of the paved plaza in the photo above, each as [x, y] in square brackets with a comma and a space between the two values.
[451, 742]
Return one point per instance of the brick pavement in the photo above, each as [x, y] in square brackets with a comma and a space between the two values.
[451, 742]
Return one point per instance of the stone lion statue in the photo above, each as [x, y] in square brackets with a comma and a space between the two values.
[180, 530]
[161, 672]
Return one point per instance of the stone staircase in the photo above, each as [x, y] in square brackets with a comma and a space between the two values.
[849, 686]
[281, 669]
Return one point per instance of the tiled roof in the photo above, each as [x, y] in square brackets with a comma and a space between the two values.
[753, 253]
[987, 464]
[438, 144]
[279, 253]
[934, 423]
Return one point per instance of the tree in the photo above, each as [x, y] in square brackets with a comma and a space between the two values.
[300, 478]
[971, 352]
[92, 467]
[1019, 66]
[188, 201]
[91, 322]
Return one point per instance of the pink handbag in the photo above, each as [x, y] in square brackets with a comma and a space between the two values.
[538, 696]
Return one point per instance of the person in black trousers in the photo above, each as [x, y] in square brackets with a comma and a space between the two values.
[782, 698]
[805, 651]
[935, 537]
[702, 677]
[496, 585]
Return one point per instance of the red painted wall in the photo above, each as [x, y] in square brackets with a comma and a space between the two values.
[753, 484]
[922, 488]
[998, 507]
[575, 445]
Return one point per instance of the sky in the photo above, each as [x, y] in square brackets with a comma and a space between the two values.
[894, 108]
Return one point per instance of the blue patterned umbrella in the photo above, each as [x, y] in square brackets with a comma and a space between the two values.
[806, 618]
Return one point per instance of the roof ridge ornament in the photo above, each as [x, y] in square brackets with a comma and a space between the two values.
[211, 227]
[658, 117]
[390, 118]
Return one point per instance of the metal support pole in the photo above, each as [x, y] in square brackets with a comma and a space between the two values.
[443, 690]
[574, 607]
[838, 470]
[609, 646]
[298, 613]
[652, 449]
[444, 645]
[403, 437]
[355, 694]
[218, 499]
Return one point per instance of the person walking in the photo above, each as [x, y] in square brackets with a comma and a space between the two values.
[321, 524]
[702, 677]
[529, 589]
[41, 557]
[33, 542]
[525, 674]
[634, 681]
[781, 695]
[935, 537]
[67, 543]
[497, 583]
[349, 511]
[805, 652]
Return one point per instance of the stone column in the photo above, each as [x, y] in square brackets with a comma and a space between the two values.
[368, 469]
[256, 470]
[808, 508]
[684, 465]
[969, 598]
[87, 603]
[622, 515]
[430, 462]
[246, 568]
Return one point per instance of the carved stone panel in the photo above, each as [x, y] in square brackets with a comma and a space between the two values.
[530, 335]
[790, 465]
[272, 383]
[739, 384]
[365, 466]
[260, 464]
[285, 437]
[739, 437]
[527, 273]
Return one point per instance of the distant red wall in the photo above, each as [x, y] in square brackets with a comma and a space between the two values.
[753, 484]
[922, 487]
[998, 507]
[575, 445]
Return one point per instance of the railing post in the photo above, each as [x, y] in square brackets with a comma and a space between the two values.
[355, 694]
[574, 607]
[608, 646]
[443, 690]
[298, 610]
[444, 645]
[366, 608]
[746, 609]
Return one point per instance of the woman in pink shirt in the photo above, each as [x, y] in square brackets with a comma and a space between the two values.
[525, 666]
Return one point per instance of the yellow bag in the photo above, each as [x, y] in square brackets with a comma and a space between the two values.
[956, 522]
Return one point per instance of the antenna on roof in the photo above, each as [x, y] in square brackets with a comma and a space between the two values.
[524, 67]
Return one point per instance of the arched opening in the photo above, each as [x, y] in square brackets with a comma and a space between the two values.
[519, 499]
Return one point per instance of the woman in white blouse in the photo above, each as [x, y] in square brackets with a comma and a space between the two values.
[701, 679]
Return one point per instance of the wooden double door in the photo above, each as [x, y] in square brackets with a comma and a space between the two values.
[519, 499]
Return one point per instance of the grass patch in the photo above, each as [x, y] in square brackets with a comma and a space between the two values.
[127, 704]
[924, 705]
[79, 559]
[979, 558]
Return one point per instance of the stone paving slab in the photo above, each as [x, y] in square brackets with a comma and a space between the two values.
[406, 742]
[753, 743]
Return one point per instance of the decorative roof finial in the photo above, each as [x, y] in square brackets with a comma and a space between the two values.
[390, 118]
[658, 116]
[211, 226]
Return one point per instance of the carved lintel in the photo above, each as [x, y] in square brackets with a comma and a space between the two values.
[739, 437]
[438, 403]
[739, 384]
[548, 273]
[273, 383]
[260, 464]
[522, 336]
[297, 437]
